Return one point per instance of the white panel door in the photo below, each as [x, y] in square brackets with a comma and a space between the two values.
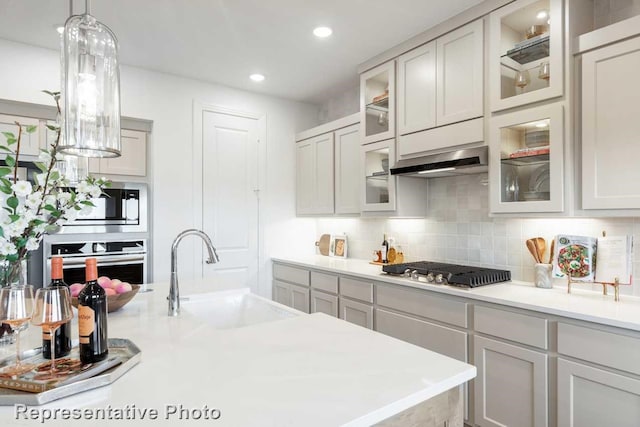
[417, 89]
[323, 200]
[592, 397]
[305, 177]
[460, 76]
[230, 200]
[347, 169]
[610, 127]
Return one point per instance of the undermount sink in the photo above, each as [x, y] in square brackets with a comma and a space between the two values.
[234, 309]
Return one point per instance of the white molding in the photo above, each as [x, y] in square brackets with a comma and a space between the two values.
[455, 22]
[607, 35]
[343, 122]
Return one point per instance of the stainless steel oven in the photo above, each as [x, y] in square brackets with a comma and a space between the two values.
[122, 208]
[119, 259]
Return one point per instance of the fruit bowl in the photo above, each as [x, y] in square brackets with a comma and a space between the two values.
[117, 301]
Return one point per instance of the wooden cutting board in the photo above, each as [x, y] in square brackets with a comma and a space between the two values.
[323, 244]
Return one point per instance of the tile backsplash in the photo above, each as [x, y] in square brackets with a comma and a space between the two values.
[459, 230]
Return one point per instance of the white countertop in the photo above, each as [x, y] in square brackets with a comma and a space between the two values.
[308, 370]
[579, 304]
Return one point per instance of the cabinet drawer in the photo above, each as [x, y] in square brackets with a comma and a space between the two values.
[291, 274]
[517, 327]
[447, 341]
[605, 348]
[356, 312]
[356, 289]
[423, 303]
[324, 282]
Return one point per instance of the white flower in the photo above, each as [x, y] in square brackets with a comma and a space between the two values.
[44, 157]
[71, 214]
[39, 229]
[64, 198]
[84, 187]
[33, 200]
[32, 244]
[40, 177]
[50, 200]
[7, 248]
[22, 188]
[95, 191]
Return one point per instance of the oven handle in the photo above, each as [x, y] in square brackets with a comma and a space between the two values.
[105, 260]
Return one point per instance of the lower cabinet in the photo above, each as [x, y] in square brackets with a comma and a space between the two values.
[356, 312]
[291, 295]
[511, 388]
[322, 302]
[592, 397]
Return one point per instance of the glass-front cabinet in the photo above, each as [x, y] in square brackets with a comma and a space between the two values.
[377, 103]
[525, 53]
[379, 187]
[526, 164]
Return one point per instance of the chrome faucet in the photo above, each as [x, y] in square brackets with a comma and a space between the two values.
[174, 293]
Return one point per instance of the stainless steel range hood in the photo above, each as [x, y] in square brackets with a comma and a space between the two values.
[451, 163]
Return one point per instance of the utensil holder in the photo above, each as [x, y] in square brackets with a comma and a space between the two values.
[543, 276]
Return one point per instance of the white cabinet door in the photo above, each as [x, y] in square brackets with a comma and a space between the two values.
[356, 313]
[133, 160]
[282, 293]
[511, 387]
[591, 397]
[322, 302]
[300, 298]
[314, 168]
[610, 127]
[30, 142]
[347, 170]
[378, 191]
[377, 103]
[417, 89]
[460, 76]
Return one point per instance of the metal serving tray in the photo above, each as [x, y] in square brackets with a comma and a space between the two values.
[126, 349]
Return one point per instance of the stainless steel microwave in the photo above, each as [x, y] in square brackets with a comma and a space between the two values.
[122, 208]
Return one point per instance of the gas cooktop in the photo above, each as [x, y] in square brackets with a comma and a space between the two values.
[448, 274]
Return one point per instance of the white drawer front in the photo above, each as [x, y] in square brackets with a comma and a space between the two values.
[423, 304]
[356, 289]
[295, 275]
[605, 348]
[443, 340]
[324, 282]
[517, 327]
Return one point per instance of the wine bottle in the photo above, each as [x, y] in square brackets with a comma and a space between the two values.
[92, 317]
[63, 333]
[384, 249]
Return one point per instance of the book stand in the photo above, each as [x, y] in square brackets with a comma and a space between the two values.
[615, 284]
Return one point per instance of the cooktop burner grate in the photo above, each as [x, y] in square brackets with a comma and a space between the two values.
[453, 273]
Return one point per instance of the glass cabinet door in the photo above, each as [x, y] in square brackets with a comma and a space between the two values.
[525, 53]
[377, 103]
[526, 172]
[379, 186]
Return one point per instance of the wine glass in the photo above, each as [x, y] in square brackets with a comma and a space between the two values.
[52, 310]
[543, 71]
[16, 308]
[522, 79]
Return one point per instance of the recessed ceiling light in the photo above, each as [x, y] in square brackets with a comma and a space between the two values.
[322, 32]
[59, 28]
[543, 14]
[256, 77]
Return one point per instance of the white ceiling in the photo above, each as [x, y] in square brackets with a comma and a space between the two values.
[223, 41]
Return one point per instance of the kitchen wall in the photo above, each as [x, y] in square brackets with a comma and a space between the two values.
[168, 101]
[341, 102]
[607, 12]
[459, 230]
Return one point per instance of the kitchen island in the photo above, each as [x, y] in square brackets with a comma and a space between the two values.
[310, 370]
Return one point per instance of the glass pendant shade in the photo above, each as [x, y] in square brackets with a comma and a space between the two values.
[90, 89]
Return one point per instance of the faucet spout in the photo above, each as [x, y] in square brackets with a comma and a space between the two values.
[174, 291]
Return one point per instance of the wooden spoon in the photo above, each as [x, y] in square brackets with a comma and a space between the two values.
[553, 245]
[541, 246]
[533, 250]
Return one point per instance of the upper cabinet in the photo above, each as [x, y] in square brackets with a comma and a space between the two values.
[328, 168]
[525, 48]
[610, 126]
[441, 83]
[377, 103]
[133, 159]
[526, 161]
[459, 80]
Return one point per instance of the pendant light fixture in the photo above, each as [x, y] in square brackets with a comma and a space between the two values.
[90, 88]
